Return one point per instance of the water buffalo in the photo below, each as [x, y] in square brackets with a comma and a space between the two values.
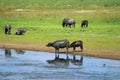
[75, 44]
[7, 29]
[20, 31]
[84, 23]
[69, 22]
[59, 44]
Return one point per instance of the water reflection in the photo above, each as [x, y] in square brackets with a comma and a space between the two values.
[19, 51]
[37, 65]
[59, 62]
[77, 62]
[64, 62]
[8, 53]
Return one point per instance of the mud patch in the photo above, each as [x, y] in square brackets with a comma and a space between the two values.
[103, 53]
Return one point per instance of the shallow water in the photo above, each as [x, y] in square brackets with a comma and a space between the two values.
[33, 65]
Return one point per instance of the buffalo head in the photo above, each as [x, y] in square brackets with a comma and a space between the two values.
[49, 45]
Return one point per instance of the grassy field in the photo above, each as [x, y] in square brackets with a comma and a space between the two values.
[42, 19]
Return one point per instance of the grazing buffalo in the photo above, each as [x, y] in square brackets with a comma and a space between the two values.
[69, 22]
[77, 44]
[84, 23]
[8, 29]
[59, 44]
[20, 31]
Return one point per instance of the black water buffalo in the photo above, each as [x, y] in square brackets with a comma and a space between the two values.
[69, 22]
[7, 29]
[59, 44]
[84, 23]
[75, 44]
[20, 31]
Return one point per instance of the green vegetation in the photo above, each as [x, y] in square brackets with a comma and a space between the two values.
[42, 19]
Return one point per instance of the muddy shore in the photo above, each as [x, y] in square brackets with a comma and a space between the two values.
[110, 54]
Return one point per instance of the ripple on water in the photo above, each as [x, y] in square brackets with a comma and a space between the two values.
[34, 65]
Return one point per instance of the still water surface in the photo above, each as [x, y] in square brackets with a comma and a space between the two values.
[34, 65]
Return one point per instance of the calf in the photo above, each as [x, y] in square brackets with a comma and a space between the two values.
[77, 44]
[84, 23]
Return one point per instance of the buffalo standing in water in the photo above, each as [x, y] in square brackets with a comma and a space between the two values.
[20, 31]
[69, 22]
[59, 44]
[77, 44]
[8, 29]
[84, 23]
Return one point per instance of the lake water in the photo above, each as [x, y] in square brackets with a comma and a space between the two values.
[35, 65]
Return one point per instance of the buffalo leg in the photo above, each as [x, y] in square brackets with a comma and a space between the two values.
[81, 60]
[9, 32]
[74, 25]
[70, 25]
[86, 25]
[66, 25]
[55, 53]
[81, 48]
[74, 48]
[6, 31]
[67, 52]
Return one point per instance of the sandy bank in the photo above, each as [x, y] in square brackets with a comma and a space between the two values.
[87, 52]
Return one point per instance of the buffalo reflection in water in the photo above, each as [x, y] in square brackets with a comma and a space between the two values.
[61, 62]
[19, 51]
[77, 62]
[8, 53]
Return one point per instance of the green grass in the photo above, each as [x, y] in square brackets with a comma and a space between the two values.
[58, 4]
[42, 19]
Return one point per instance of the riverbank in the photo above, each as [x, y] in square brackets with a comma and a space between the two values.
[110, 54]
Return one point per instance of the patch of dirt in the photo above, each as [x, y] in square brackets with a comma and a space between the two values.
[111, 54]
[85, 11]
